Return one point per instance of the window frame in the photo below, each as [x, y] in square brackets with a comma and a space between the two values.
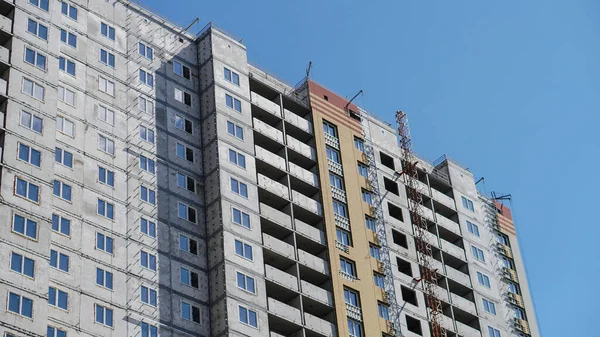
[108, 58]
[148, 261]
[39, 4]
[109, 29]
[147, 195]
[149, 225]
[108, 84]
[242, 215]
[247, 315]
[244, 245]
[21, 267]
[59, 266]
[30, 152]
[235, 103]
[26, 222]
[63, 97]
[148, 77]
[473, 228]
[187, 208]
[107, 174]
[34, 85]
[107, 241]
[36, 54]
[37, 29]
[231, 77]
[60, 152]
[27, 190]
[67, 38]
[237, 156]
[104, 279]
[32, 117]
[107, 142]
[151, 296]
[57, 294]
[69, 10]
[145, 163]
[104, 316]
[63, 126]
[60, 223]
[21, 299]
[106, 209]
[62, 190]
[245, 287]
[237, 131]
[240, 187]
[146, 48]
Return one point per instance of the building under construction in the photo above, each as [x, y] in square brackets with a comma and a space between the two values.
[153, 182]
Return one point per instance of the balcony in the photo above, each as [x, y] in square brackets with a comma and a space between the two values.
[301, 148]
[463, 304]
[458, 276]
[353, 312]
[310, 232]
[422, 187]
[516, 299]
[317, 293]
[338, 194]
[307, 203]
[504, 250]
[510, 274]
[275, 216]
[443, 199]
[313, 262]
[344, 248]
[297, 121]
[278, 246]
[447, 323]
[426, 212]
[304, 175]
[265, 104]
[5, 24]
[272, 186]
[521, 325]
[431, 239]
[442, 293]
[447, 223]
[466, 331]
[284, 311]
[348, 277]
[332, 141]
[342, 222]
[335, 167]
[4, 58]
[453, 250]
[267, 130]
[280, 277]
[269, 158]
[320, 326]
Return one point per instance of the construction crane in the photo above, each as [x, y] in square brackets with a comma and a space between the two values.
[429, 276]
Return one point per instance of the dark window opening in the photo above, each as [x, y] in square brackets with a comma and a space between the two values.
[326, 98]
[409, 296]
[414, 325]
[404, 267]
[355, 115]
[194, 280]
[395, 212]
[387, 160]
[390, 186]
[399, 239]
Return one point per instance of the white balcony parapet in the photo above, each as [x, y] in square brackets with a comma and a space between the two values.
[307, 203]
[268, 130]
[463, 304]
[443, 199]
[310, 232]
[344, 248]
[353, 312]
[270, 158]
[342, 222]
[278, 246]
[335, 167]
[467, 331]
[422, 187]
[300, 122]
[332, 141]
[4, 55]
[426, 212]
[316, 293]
[304, 175]
[282, 278]
[447, 223]
[442, 294]
[284, 311]
[300, 147]
[273, 186]
[319, 325]
[3, 86]
[458, 276]
[453, 249]
[313, 262]
[265, 104]
[348, 276]
[5, 24]
[275, 216]
[338, 194]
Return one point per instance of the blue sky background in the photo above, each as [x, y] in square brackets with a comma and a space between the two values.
[509, 88]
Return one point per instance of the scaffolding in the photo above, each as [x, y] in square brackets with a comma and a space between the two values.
[389, 288]
[429, 276]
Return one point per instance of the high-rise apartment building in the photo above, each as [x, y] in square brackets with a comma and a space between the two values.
[155, 183]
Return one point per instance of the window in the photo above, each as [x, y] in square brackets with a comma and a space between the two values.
[359, 144]
[375, 252]
[29, 155]
[106, 209]
[186, 182]
[107, 58]
[37, 29]
[340, 209]
[22, 265]
[329, 129]
[107, 31]
[519, 313]
[146, 78]
[24, 226]
[183, 97]
[489, 306]
[351, 297]
[404, 266]
[391, 186]
[104, 315]
[106, 145]
[146, 105]
[414, 325]
[188, 277]
[239, 188]
[145, 51]
[383, 311]
[184, 124]
[33, 89]
[370, 223]
[61, 190]
[190, 312]
[399, 239]
[106, 86]
[31, 122]
[241, 218]
[148, 260]
[63, 157]
[235, 130]
[20, 305]
[65, 126]
[149, 330]
[34, 58]
[231, 76]
[363, 170]
[104, 278]
[507, 263]
[54, 332]
[367, 197]
[333, 155]
[503, 239]
[347, 267]
[147, 164]
[233, 103]
[61, 225]
[409, 296]
[148, 227]
[186, 212]
[184, 152]
[148, 296]
[354, 328]
[493, 332]
[106, 177]
[27, 190]
[243, 249]
[58, 298]
[66, 95]
[336, 181]
[483, 279]
[513, 288]
[468, 204]
[59, 261]
[104, 243]
[68, 38]
[188, 245]
[237, 158]
[43, 4]
[248, 316]
[148, 195]
[343, 237]
[395, 212]
[379, 280]
[387, 161]
[473, 228]
[69, 10]
[181, 70]
[478, 253]
[245, 282]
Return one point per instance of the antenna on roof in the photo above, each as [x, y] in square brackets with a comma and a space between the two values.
[191, 24]
[352, 99]
[308, 68]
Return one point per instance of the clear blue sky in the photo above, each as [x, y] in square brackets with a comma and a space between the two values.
[510, 88]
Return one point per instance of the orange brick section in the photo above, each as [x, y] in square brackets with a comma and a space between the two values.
[505, 218]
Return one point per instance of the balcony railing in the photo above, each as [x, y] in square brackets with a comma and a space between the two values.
[297, 121]
[342, 222]
[332, 141]
[284, 311]
[348, 277]
[353, 312]
[521, 325]
[510, 274]
[515, 299]
[504, 250]
[344, 248]
[335, 167]
[265, 104]
[338, 194]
